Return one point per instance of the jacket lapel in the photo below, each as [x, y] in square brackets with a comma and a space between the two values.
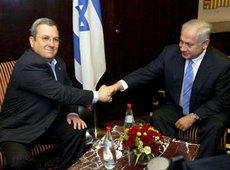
[202, 75]
[178, 75]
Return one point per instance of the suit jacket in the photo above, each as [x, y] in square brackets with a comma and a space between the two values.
[211, 88]
[34, 98]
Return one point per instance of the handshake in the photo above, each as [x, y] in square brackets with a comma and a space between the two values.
[105, 93]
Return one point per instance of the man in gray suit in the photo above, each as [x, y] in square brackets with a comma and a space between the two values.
[40, 102]
[202, 99]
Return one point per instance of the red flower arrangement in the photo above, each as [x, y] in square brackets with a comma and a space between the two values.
[145, 140]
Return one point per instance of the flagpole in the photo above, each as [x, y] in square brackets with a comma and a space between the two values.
[91, 134]
[94, 120]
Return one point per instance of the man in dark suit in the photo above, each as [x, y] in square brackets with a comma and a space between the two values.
[40, 102]
[197, 86]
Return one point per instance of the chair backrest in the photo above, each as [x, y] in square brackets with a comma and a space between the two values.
[6, 69]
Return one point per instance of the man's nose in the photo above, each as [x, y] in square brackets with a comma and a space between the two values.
[182, 47]
[51, 42]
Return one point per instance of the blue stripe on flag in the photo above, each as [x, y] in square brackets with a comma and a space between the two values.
[77, 55]
[97, 6]
[82, 7]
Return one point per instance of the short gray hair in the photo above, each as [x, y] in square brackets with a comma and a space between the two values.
[202, 27]
[47, 21]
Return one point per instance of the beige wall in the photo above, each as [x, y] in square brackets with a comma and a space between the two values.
[219, 17]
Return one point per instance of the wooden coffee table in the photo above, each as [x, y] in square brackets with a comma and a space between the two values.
[92, 159]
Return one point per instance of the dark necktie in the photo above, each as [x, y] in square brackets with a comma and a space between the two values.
[188, 81]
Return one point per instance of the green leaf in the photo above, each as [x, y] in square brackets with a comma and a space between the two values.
[150, 156]
[138, 156]
[137, 141]
[125, 137]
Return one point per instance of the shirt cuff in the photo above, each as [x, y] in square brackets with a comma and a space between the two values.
[95, 97]
[72, 114]
[124, 84]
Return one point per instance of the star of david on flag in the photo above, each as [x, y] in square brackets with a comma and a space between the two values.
[89, 55]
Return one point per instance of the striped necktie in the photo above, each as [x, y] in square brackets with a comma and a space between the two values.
[188, 81]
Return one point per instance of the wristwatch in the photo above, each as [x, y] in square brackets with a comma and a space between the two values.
[195, 116]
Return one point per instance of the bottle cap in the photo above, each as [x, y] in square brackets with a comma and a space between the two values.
[129, 105]
[108, 128]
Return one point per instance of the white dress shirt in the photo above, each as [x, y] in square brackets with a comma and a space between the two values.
[195, 67]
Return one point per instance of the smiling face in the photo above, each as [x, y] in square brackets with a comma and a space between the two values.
[46, 42]
[189, 45]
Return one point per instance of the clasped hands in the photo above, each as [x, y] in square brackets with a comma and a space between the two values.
[105, 93]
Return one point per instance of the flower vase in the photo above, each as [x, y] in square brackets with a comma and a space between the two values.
[143, 162]
[143, 159]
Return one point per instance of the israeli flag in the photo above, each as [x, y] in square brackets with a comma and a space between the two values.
[89, 55]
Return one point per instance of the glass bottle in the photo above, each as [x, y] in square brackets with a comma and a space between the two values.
[109, 153]
[129, 118]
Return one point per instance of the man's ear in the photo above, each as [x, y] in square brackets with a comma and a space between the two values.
[31, 39]
[206, 43]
